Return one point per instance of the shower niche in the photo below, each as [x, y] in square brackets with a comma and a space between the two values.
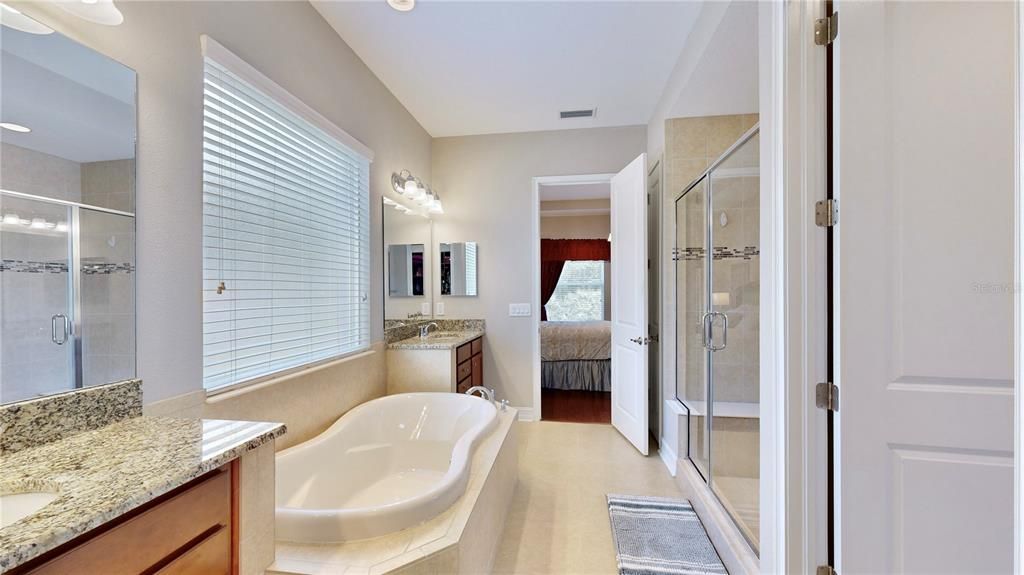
[716, 257]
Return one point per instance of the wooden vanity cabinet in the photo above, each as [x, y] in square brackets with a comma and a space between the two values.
[191, 530]
[469, 369]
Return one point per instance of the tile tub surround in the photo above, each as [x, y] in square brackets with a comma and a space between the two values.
[104, 473]
[36, 422]
[463, 539]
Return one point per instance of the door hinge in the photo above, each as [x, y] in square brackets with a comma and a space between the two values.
[826, 213]
[825, 570]
[826, 29]
[826, 396]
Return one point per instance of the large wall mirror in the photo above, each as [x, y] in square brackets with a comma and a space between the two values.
[408, 289]
[67, 215]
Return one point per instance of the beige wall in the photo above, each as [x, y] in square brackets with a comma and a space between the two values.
[575, 227]
[160, 40]
[486, 183]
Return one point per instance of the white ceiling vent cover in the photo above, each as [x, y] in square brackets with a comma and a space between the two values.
[578, 113]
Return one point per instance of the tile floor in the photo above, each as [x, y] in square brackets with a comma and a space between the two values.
[558, 523]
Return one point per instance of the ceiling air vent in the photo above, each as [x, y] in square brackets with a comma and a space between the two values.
[577, 113]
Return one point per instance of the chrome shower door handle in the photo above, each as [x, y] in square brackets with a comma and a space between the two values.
[64, 323]
[725, 331]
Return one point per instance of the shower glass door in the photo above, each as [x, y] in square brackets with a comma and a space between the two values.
[733, 325]
[717, 327]
[36, 303]
[691, 304]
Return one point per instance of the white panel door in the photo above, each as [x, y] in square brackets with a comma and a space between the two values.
[629, 302]
[925, 141]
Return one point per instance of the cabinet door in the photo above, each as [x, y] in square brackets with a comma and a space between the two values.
[478, 369]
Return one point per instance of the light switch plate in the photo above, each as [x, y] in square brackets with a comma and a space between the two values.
[519, 310]
[439, 308]
[425, 308]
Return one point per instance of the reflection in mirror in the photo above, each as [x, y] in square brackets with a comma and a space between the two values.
[67, 225]
[458, 269]
[408, 293]
[405, 270]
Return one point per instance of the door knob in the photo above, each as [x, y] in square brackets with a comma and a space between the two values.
[640, 340]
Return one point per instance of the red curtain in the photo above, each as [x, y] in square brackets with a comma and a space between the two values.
[575, 250]
[550, 271]
[554, 254]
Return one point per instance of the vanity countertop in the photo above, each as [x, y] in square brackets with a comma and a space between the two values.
[446, 340]
[104, 473]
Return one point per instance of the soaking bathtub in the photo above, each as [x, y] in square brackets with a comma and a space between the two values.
[388, 464]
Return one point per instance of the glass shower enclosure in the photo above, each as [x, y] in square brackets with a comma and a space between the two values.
[717, 315]
[67, 296]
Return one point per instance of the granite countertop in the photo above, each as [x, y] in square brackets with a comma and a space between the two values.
[104, 473]
[438, 340]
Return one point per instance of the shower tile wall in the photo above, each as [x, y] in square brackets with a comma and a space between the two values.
[31, 172]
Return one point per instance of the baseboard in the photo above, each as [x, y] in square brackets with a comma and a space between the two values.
[668, 456]
[526, 414]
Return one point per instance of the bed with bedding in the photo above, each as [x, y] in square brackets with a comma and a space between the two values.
[576, 355]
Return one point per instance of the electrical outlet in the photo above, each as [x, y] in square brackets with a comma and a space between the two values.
[425, 308]
[519, 310]
[439, 308]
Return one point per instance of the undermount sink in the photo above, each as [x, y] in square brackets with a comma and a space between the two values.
[17, 506]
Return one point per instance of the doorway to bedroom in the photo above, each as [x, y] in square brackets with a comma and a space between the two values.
[575, 299]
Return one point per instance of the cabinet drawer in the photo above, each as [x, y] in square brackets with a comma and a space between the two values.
[478, 345]
[464, 352]
[211, 556]
[464, 385]
[150, 537]
[478, 369]
[464, 370]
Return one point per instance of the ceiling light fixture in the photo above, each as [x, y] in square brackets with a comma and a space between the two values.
[98, 11]
[15, 127]
[402, 5]
[13, 18]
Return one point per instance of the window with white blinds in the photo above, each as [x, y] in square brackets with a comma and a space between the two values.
[286, 243]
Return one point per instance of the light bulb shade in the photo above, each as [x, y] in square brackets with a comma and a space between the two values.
[101, 12]
[436, 207]
[410, 188]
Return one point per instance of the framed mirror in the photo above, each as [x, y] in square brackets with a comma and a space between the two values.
[458, 268]
[408, 295]
[67, 215]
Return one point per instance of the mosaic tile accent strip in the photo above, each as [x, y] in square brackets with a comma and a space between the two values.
[22, 266]
[102, 474]
[717, 253]
[43, 420]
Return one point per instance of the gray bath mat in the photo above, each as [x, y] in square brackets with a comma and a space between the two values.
[659, 536]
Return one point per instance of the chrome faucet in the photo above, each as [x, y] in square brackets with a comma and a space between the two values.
[425, 330]
[484, 392]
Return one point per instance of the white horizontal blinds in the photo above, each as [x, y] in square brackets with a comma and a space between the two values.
[286, 229]
[470, 268]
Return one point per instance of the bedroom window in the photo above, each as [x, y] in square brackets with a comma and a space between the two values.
[580, 293]
[286, 230]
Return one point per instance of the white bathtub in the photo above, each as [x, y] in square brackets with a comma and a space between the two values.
[388, 464]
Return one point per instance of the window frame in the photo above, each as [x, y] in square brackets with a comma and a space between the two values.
[213, 50]
[604, 291]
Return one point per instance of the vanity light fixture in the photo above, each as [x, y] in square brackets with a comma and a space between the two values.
[97, 11]
[15, 127]
[11, 220]
[402, 5]
[13, 18]
[435, 206]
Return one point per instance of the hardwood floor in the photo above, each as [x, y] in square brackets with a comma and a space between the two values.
[576, 406]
